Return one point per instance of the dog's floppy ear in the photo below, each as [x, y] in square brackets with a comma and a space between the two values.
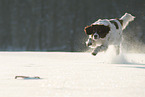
[88, 30]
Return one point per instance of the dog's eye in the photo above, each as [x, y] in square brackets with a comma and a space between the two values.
[96, 36]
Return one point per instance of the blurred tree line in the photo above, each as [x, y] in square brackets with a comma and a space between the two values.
[57, 25]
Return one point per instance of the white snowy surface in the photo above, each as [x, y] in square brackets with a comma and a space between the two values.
[65, 74]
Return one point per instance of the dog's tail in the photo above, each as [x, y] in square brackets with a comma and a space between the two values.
[126, 18]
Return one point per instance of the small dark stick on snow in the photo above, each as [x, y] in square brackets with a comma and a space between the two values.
[27, 77]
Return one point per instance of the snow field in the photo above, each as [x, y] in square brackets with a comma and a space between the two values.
[65, 74]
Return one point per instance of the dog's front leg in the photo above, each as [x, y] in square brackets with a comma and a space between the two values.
[99, 49]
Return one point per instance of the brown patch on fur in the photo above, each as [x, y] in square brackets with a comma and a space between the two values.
[88, 30]
[121, 21]
[115, 23]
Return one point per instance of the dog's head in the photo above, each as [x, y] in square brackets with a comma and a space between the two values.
[97, 31]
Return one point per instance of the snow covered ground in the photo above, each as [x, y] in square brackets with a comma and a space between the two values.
[65, 74]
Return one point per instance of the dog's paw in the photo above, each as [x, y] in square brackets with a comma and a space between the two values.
[94, 54]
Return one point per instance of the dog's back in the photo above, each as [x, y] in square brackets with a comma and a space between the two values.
[115, 36]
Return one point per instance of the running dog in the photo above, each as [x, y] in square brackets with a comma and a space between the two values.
[107, 32]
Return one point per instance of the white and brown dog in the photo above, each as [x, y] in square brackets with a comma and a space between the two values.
[107, 32]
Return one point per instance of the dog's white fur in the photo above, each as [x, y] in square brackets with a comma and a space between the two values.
[114, 37]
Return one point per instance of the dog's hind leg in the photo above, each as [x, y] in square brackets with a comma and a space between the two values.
[99, 49]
